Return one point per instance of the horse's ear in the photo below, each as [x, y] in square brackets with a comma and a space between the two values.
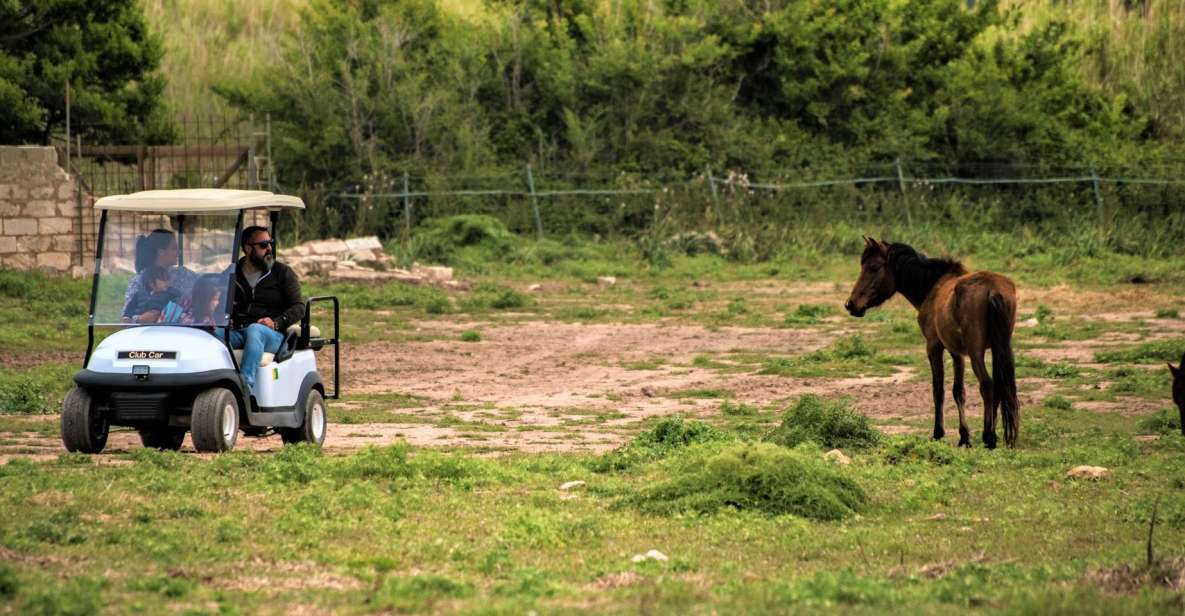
[868, 241]
[1176, 371]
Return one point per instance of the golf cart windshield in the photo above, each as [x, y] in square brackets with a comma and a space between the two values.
[165, 269]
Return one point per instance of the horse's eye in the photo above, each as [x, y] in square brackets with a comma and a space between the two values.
[874, 267]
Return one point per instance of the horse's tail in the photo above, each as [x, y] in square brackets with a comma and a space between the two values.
[1003, 366]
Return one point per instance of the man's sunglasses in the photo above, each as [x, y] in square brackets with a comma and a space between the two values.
[264, 243]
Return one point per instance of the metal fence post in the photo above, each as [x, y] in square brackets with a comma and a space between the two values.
[252, 164]
[534, 202]
[406, 208]
[715, 195]
[1098, 194]
[271, 165]
[904, 199]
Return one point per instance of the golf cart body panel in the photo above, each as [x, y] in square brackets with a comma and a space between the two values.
[164, 349]
[169, 365]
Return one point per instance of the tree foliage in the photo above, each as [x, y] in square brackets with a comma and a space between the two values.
[102, 48]
[370, 88]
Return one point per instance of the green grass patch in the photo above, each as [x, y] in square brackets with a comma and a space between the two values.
[1146, 353]
[808, 314]
[915, 449]
[757, 477]
[471, 335]
[36, 390]
[667, 436]
[827, 423]
[701, 394]
[848, 356]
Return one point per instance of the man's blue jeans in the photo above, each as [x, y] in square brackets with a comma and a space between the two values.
[255, 340]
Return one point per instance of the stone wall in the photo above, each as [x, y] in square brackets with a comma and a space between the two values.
[40, 224]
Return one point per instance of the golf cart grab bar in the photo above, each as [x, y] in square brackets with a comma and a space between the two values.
[304, 338]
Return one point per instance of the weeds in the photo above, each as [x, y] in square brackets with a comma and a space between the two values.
[666, 437]
[751, 477]
[828, 423]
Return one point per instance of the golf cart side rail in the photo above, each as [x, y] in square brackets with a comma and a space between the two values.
[304, 338]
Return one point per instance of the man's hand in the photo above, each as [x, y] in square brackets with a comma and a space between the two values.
[150, 316]
[268, 322]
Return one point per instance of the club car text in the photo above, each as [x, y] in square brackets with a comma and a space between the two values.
[147, 355]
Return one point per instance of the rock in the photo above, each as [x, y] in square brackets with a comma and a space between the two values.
[606, 281]
[1092, 473]
[434, 273]
[1031, 322]
[534, 287]
[572, 485]
[837, 456]
[648, 392]
[364, 243]
[651, 555]
[328, 247]
[936, 517]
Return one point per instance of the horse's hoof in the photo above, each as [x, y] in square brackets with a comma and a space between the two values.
[965, 442]
[989, 441]
[938, 434]
[964, 438]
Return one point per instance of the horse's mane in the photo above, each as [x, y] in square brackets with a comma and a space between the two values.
[915, 273]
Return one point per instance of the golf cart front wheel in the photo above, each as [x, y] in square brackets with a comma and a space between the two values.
[164, 439]
[84, 427]
[215, 422]
[315, 422]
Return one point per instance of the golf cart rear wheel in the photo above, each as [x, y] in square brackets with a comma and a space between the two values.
[169, 439]
[84, 427]
[215, 421]
[315, 420]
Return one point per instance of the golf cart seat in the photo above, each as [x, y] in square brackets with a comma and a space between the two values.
[291, 338]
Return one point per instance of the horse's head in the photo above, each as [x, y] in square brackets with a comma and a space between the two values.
[1178, 372]
[875, 284]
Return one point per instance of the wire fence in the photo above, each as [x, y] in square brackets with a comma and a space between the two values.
[401, 205]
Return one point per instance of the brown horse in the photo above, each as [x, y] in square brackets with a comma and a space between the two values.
[1178, 372]
[962, 313]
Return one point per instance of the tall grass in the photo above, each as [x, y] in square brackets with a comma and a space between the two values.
[1133, 48]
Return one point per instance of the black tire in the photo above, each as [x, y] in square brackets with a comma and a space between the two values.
[164, 439]
[215, 422]
[315, 422]
[84, 427]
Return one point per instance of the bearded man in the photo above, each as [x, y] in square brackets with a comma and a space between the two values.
[267, 301]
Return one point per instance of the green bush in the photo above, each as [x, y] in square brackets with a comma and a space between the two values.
[666, 437]
[35, 391]
[1058, 402]
[829, 423]
[1164, 421]
[903, 450]
[808, 314]
[752, 477]
[470, 335]
[439, 240]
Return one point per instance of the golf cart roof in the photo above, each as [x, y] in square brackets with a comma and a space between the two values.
[197, 201]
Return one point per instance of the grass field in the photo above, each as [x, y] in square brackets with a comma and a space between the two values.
[694, 401]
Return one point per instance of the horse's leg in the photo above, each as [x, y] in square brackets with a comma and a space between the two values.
[934, 352]
[985, 389]
[960, 399]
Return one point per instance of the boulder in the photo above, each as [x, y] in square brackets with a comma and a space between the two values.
[1091, 473]
[837, 456]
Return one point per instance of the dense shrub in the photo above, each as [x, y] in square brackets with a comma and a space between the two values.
[666, 437]
[829, 423]
[908, 449]
[757, 477]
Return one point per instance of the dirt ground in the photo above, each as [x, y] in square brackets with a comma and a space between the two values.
[549, 386]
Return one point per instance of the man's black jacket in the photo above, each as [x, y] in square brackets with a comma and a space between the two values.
[276, 295]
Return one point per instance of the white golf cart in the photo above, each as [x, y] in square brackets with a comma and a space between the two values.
[171, 369]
